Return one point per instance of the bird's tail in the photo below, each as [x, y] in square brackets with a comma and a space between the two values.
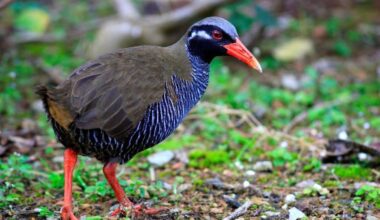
[54, 109]
[42, 92]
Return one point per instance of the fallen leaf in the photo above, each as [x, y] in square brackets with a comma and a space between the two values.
[293, 49]
[259, 201]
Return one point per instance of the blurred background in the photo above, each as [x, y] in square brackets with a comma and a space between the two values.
[321, 82]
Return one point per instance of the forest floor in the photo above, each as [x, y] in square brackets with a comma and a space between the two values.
[301, 140]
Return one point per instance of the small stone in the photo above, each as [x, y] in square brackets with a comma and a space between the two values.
[182, 156]
[363, 156]
[167, 186]
[367, 126]
[285, 207]
[305, 184]
[270, 213]
[324, 192]
[246, 184]
[290, 81]
[250, 173]
[161, 158]
[317, 187]
[58, 159]
[38, 106]
[321, 190]
[263, 166]
[266, 194]
[290, 199]
[295, 214]
[343, 135]
[284, 144]
[184, 187]
[215, 182]
[325, 65]
[371, 217]
[239, 165]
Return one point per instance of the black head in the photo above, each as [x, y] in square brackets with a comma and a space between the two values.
[215, 36]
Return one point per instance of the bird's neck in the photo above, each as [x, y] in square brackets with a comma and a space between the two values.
[192, 73]
[200, 67]
[191, 66]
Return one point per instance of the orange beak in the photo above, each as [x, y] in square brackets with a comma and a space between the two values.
[239, 51]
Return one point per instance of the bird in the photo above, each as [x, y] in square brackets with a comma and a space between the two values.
[124, 102]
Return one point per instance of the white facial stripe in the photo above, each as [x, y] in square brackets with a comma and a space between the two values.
[201, 34]
[193, 34]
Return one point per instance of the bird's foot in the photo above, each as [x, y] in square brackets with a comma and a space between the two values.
[67, 213]
[142, 210]
[136, 210]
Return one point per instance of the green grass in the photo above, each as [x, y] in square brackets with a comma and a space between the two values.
[208, 158]
[352, 172]
[212, 143]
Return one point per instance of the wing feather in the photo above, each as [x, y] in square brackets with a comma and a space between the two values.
[113, 92]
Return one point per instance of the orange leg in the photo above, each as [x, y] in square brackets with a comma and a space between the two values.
[109, 171]
[70, 159]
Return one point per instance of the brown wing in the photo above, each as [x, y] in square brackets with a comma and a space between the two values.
[113, 92]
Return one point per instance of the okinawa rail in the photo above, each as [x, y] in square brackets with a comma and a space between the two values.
[129, 100]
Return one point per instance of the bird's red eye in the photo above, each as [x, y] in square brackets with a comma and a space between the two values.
[217, 35]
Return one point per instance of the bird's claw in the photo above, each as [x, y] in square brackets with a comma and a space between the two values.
[136, 210]
[121, 210]
[67, 213]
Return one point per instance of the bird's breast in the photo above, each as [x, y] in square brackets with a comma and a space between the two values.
[163, 117]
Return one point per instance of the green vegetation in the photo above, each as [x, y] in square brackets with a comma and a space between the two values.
[245, 117]
[209, 158]
[280, 156]
[370, 194]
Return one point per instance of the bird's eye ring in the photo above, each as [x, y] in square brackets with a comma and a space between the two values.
[217, 35]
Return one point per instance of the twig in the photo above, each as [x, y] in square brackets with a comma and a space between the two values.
[182, 15]
[245, 116]
[126, 9]
[5, 3]
[33, 38]
[213, 110]
[303, 115]
[239, 211]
